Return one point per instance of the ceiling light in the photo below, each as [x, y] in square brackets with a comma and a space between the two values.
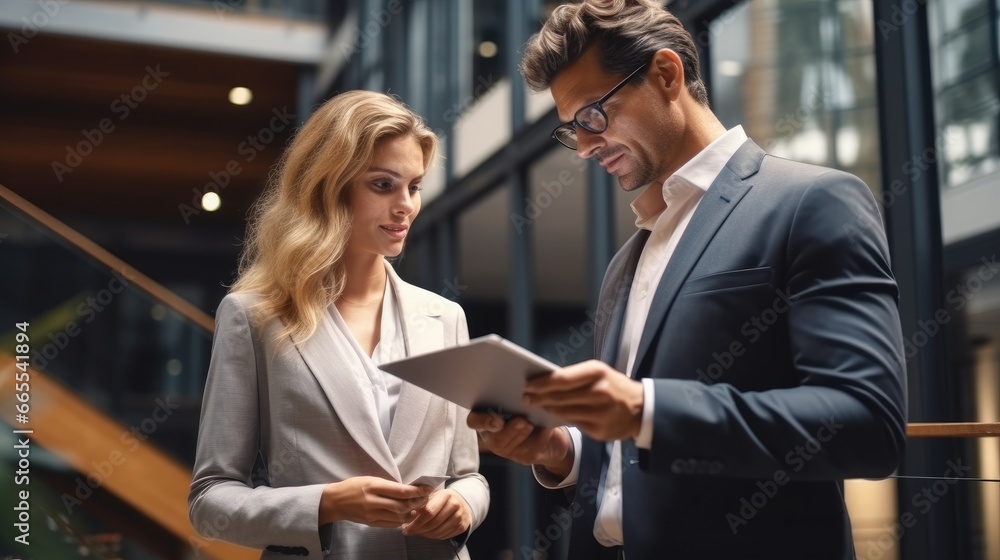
[240, 96]
[158, 312]
[211, 202]
[487, 49]
[174, 367]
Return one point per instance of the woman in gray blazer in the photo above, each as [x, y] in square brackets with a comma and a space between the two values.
[305, 447]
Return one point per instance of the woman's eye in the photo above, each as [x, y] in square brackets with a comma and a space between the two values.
[383, 185]
[416, 188]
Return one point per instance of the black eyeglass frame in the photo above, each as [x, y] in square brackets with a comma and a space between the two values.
[599, 106]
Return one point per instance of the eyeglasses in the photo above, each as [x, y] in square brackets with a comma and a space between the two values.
[591, 118]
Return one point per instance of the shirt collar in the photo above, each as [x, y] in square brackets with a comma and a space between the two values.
[700, 171]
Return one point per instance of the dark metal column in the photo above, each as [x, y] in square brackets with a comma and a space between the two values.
[516, 35]
[521, 517]
[453, 90]
[914, 228]
[447, 282]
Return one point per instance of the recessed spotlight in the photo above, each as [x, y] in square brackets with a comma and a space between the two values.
[158, 312]
[174, 367]
[210, 201]
[487, 49]
[240, 96]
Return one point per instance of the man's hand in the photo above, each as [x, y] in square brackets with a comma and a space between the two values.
[445, 515]
[605, 404]
[524, 443]
[370, 500]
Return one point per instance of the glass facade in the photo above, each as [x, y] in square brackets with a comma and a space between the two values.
[800, 77]
[519, 230]
[965, 74]
[490, 43]
[483, 262]
[966, 77]
[557, 188]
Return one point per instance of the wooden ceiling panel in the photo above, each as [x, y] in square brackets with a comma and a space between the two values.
[159, 148]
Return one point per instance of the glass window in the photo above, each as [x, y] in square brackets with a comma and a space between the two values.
[556, 211]
[965, 73]
[949, 17]
[966, 54]
[483, 231]
[974, 301]
[489, 44]
[800, 77]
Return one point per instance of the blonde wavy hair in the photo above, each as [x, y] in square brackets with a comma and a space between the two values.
[293, 258]
[626, 32]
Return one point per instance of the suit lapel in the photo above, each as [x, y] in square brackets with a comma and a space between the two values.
[718, 202]
[614, 294]
[348, 390]
[422, 332]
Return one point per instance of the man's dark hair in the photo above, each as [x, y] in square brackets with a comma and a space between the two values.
[626, 32]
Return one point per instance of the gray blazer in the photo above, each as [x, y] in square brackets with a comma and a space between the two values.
[281, 421]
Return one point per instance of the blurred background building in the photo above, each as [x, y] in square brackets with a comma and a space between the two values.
[149, 128]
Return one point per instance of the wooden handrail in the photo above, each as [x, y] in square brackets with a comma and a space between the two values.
[110, 455]
[953, 429]
[101, 255]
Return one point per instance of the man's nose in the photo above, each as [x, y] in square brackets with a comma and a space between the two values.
[587, 142]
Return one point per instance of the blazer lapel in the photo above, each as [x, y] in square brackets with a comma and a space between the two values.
[348, 390]
[422, 332]
[614, 294]
[719, 200]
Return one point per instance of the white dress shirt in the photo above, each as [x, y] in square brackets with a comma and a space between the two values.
[666, 212]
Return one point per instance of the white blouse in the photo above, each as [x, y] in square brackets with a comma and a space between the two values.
[391, 346]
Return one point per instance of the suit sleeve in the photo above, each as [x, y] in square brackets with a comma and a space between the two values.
[847, 417]
[223, 504]
[464, 463]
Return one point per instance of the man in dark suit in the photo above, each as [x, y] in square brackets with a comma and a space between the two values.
[749, 345]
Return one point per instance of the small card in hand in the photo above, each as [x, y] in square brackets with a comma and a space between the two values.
[433, 481]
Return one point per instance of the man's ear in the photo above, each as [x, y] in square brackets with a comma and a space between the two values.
[668, 73]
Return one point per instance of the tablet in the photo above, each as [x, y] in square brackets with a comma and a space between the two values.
[485, 374]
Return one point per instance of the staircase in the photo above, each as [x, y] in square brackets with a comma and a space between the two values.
[101, 372]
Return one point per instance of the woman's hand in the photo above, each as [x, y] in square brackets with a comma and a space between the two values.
[372, 501]
[446, 514]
